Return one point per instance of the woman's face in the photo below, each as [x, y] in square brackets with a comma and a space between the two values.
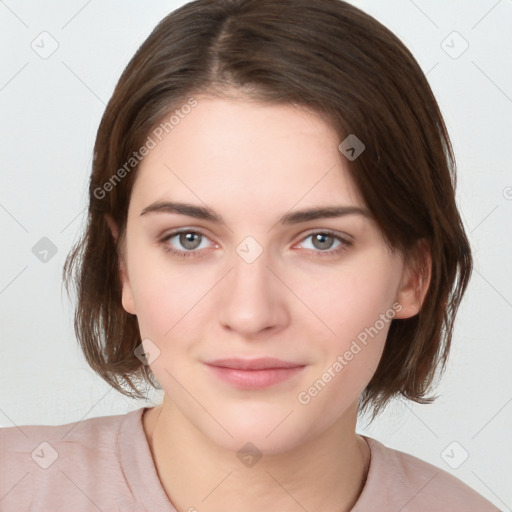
[318, 293]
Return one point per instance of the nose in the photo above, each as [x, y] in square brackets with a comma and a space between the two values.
[252, 298]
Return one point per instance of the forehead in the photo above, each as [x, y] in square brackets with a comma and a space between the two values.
[239, 152]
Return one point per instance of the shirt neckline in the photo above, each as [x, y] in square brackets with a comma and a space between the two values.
[138, 465]
[142, 476]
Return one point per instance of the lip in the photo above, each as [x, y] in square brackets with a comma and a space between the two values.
[254, 373]
[260, 363]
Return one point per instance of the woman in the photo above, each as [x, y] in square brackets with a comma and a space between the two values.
[273, 240]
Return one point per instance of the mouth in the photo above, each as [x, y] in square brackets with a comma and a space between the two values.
[254, 373]
[261, 363]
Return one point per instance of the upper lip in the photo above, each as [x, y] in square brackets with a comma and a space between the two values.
[261, 363]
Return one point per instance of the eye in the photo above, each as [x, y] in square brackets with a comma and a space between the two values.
[186, 243]
[323, 241]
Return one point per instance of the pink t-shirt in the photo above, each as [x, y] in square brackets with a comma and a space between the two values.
[105, 464]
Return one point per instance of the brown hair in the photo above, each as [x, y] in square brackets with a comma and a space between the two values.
[323, 55]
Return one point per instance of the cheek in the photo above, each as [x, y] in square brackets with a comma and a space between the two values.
[360, 314]
[165, 292]
[353, 299]
[170, 303]
[356, 304]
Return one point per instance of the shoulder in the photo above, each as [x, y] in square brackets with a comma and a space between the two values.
[400, 481]
[36, 460]
[81, 430]
[24, 445]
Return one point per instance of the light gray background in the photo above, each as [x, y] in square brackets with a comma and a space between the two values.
[50, 110]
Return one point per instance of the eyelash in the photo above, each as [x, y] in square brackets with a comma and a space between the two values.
[345, 244]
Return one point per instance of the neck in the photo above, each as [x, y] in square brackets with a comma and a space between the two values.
[325, 473]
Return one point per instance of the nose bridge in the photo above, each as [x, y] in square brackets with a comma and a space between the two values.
[251, 300]
[250, 273]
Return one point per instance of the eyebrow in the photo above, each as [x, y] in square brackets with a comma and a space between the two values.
[294, 217]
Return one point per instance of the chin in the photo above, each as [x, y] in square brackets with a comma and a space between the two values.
[271, 430]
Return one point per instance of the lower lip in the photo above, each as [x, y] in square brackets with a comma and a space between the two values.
[254, 379]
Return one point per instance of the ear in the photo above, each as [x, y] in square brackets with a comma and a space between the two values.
[126, 289]
[415, 281]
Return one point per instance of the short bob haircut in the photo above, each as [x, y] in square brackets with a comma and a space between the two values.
[332, 59]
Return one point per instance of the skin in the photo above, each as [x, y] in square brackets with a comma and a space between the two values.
[251, 163]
